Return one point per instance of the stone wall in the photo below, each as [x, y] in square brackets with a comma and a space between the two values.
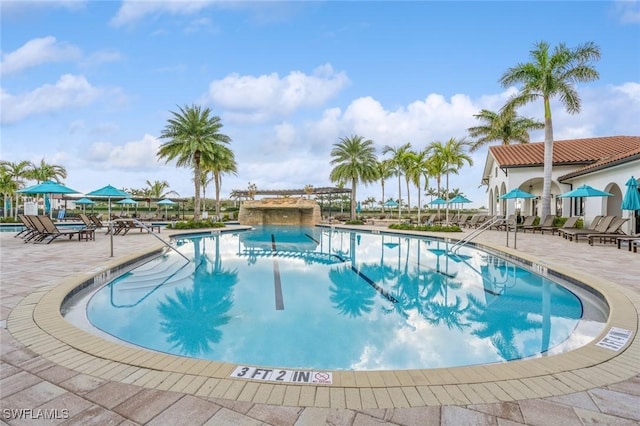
[279, 211]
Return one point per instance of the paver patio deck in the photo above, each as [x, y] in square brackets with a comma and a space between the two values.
[48, 364]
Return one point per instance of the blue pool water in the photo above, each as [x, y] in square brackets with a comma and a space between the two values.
[338, 299]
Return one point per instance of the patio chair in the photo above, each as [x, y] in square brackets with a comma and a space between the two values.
[610, 234]
[569, 224]
[592, 226]
[601, 227]
[49, 231]
[547, 222]
[527, 222]
[463, 220]
[29, 228]
[96, 221]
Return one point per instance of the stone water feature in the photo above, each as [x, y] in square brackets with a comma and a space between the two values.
[280, 211]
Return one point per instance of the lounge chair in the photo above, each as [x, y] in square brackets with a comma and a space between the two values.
[49, 231]
[96, 221]
[547, 222]
[527, 222]
[602, 226]
[462, 220]
[29, 229]
[610, 234]
[569, 224]
[592, 226]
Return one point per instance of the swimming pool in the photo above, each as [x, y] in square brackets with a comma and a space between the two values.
[336, 299]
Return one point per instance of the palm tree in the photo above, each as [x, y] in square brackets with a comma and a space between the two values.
[504, 126]
[45, 171]
[192, 133]
[551, 74]
[18, 172]
[222, 161]
[398, 161]
[416, 170]
[452, 156]
[385, 171]
[354, 159]
[7, 188]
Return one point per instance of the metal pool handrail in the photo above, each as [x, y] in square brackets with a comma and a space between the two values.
[486, 225]
[142, 225]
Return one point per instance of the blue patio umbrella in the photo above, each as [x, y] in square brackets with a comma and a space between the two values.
[631, 200]
[47, 187]
[127, 202]
[585, 191]
[84, 201]
[166, 202]
[438, 201]
[391, 203]
[514, 194]
[358, 207]
[459, 199]
[108, 192]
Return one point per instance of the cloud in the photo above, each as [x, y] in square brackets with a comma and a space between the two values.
[37, 52]
[133, 10]
[250, 98]
[627, 11]
[70, 91]
[26, 8]
[134, 155]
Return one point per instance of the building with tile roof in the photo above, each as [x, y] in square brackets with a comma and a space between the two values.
[605, 163]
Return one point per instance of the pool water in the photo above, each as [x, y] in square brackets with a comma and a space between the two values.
[339, 299]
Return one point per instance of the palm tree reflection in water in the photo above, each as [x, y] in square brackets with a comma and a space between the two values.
[193, 317]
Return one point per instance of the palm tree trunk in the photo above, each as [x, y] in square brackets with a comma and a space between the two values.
[399, 197]
[216, 177]
[197, 177]
[353, 199]
[408, 195]
[419, 190]
[548, 160]
[383, 196]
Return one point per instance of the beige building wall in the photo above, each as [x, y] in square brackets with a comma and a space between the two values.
[280, 211]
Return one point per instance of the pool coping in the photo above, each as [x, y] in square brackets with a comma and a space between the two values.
[39, 325]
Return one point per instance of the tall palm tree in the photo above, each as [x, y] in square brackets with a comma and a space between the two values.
[8, 187]
[45, 171]
[221, 160]
[191, 134]
[504, 126]
[355, 160]
[157, 189]
[452, 154]
[415, 171]
[18, 172]
[398, 162]
[385, 171]
[436, 167]
[548, 75]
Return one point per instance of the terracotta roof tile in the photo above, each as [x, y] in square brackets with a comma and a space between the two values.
[605, 162]
[571, 151]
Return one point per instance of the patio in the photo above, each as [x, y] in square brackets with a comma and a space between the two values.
[94, 392]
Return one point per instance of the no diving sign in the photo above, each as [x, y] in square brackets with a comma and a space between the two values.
[288, 376]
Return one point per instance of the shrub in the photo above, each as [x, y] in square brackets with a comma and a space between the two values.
[8, 220]
[425, 228]
[191, 224]
[354, 222]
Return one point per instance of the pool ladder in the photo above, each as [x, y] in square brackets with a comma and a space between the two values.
[485, 225]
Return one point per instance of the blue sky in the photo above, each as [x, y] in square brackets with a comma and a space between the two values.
[90, 85]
